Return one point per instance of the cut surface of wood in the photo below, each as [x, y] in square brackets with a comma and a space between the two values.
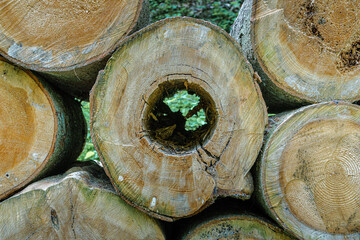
[81, 204]
[153, 161]
[61, 34]
[236, 226]
[34, 126]
[68, 41]
[305, 51]
[310, 179]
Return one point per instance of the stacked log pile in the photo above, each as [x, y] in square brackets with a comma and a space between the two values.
[302, 56]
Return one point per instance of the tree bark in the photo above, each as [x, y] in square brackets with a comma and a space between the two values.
[67, 42]
[304, 51]
[41, 131]
[308, 171]
[152, 161]
[80, 204]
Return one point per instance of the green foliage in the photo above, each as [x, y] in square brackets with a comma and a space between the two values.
[195, 121]
[89, 152]
[184, 102]
[222, 13]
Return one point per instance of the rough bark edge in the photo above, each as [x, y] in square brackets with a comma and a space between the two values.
[277, 98]
[275, 124]
[69, 138]
[245, 194]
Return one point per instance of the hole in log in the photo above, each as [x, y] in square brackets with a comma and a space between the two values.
[171, 125]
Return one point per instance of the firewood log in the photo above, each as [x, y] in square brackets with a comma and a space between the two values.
[156, 164]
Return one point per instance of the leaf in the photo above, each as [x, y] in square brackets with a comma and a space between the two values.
[89, 154]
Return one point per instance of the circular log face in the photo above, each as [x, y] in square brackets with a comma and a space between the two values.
[60, 34]
[315, 154]
[151, 159]
[27, 127]
[237, 227]
[311, 49]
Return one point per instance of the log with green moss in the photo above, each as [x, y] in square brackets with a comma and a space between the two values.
[153, 152]
[308, 173]
[41, 131]
[80, 204]
[67, 41]
[304, 51]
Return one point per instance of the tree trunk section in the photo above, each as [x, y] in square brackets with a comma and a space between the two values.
[41, 131]
[151, 159]
[304, 51]
[67, 41]
[235, 226]
[81, 204]
[308, 174]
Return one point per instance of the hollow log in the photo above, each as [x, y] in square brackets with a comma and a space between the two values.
[67, 41]
[41, 131]
[308, 174]
[80, 204]
[304, 51]
[152, 160]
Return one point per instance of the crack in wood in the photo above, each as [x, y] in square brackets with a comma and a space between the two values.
[72, 210]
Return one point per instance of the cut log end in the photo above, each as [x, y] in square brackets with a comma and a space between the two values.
[236, 227]
[76, 205]
[41, 131]
[152, 157]
[28, 126]
[305, 51]
[321, 171]
[315, 42]
[328, 27]
[52, 35]
[315, 153]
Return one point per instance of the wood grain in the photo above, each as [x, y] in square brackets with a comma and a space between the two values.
[40, 131]
[308, 172]
[173, 181]
[305, 51]
[80, 204]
